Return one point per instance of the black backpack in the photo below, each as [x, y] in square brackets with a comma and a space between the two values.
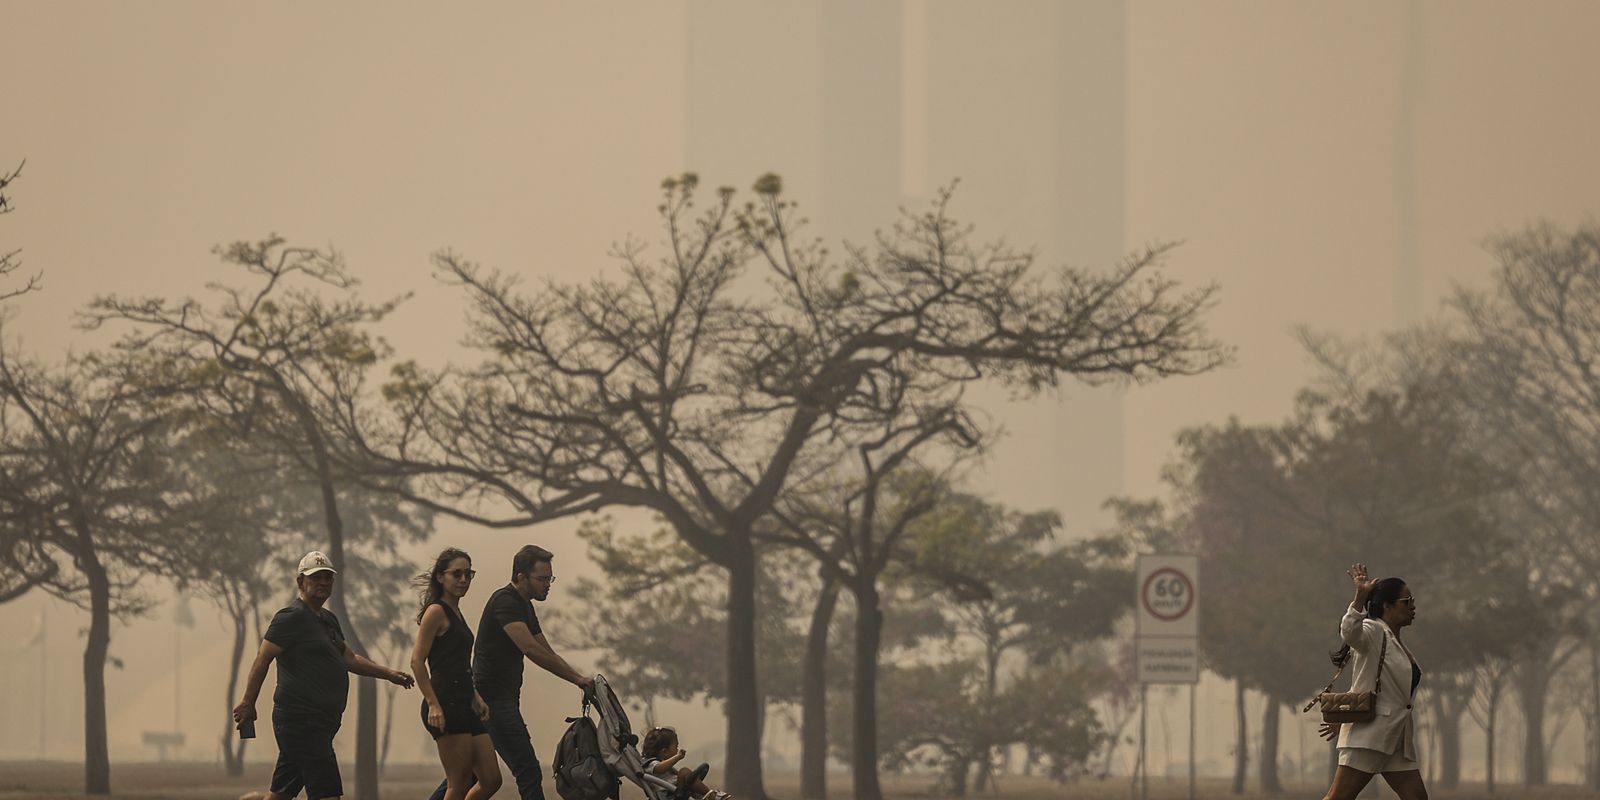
[581, 771]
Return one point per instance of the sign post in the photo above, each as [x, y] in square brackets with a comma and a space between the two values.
[1167, 637]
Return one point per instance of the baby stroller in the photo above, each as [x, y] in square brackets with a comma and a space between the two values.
[618, 747]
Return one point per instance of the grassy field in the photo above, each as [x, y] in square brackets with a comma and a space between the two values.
[186, 781]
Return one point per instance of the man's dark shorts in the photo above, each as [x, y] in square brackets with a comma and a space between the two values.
[305, 757]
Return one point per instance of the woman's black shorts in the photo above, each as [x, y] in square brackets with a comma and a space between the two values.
[458, 717]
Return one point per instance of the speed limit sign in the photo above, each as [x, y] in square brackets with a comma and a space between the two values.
[1167, 596]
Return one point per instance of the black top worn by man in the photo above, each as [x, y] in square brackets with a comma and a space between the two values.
[314, 663]
[508, 632]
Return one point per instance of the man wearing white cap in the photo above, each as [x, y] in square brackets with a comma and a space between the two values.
[313, 662]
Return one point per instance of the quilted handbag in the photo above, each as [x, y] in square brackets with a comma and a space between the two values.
[1342, 707]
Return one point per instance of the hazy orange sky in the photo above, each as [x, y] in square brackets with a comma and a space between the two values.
[1285, 144]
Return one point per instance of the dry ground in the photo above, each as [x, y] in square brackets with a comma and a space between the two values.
[190, 781]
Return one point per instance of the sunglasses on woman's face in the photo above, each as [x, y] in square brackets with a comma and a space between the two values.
[463, 574]
[1409, 601]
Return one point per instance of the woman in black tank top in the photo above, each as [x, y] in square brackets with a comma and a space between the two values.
[450, 674]
[452, 711]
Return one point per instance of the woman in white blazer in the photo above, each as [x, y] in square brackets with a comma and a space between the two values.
[1388, 744]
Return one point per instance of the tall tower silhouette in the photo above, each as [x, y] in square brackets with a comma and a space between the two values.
[1026, 103]
[867, 107]
[1408, 291]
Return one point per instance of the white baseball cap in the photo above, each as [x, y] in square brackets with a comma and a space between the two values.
[315, 561]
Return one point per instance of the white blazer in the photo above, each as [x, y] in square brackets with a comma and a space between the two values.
[1394, 726]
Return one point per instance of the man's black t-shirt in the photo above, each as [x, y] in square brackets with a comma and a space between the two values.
[312, 678]
[497, 662]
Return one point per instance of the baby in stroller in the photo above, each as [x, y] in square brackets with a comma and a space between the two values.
[661, 753]
[620, 756]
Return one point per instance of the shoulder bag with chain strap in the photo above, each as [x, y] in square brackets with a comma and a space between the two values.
[1342, 707]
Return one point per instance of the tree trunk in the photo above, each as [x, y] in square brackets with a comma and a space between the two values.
[1113, 741]
[1241, 753]
[1592, 762]
[864, 724]
[814, 696]
[389, 693]
[744, 698]
[960, 767]
[983, 781]
[1448, 712]
[1270, 718]
[1488, 741]
[232, 749]
[1533, 686]
[96, 754]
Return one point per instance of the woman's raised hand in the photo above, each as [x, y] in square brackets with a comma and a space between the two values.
[1358, 576]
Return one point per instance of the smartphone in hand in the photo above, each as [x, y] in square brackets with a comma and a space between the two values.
[247, 729]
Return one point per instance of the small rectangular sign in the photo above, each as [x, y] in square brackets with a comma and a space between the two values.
[1169, 659]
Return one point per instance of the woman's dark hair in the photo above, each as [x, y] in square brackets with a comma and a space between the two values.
[428, 582]
[657, 742]
[1384, 592]
[530, 554]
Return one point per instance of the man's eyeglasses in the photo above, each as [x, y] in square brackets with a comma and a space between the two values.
[463, 574]
[544, 579]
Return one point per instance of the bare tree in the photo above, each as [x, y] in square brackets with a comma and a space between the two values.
[814, 688]
[854, 518]
[667, 391]
[1591, 717]
[94, 477]
[26, 562]
[1485, 709]
[871, 519]
[1538, 663]
[1534, 338]
[9, 259]
[1568, 690]
[274, 362]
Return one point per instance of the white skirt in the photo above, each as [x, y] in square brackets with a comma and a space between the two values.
[1373, 762]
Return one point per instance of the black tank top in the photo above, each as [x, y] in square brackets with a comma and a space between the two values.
[450, 658]
[1416, 669]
